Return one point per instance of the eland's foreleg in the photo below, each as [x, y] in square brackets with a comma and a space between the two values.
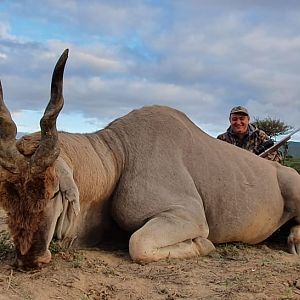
[171, 234]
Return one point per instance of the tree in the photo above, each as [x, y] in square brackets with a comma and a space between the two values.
[272, 127]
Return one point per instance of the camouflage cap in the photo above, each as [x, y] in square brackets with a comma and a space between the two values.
[239, 110]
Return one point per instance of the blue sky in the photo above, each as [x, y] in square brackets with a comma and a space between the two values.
[201, 57]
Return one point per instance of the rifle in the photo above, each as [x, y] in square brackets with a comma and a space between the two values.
[278, 144]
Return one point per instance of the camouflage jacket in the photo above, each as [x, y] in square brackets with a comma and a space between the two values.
[251, 141]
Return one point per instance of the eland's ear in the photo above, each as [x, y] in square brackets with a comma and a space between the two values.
[67, 184]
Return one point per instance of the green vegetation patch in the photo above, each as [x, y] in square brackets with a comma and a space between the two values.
[6, 244]
[293, 163]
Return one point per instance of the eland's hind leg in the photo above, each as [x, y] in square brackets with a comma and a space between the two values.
[289, 182]
[294, 240]
[171, 234]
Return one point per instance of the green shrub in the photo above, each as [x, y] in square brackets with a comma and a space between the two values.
[6, 244]
[293, 163]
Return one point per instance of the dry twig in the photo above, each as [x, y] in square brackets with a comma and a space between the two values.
[9, 279]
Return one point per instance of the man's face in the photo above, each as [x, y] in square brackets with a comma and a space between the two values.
[239, 123]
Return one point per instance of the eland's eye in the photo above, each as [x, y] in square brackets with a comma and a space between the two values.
[55, 194]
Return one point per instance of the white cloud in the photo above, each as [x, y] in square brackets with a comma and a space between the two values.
[4, 30]
[2, 56]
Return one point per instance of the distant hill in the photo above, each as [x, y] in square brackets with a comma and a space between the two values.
[20, 134]
[294, 149]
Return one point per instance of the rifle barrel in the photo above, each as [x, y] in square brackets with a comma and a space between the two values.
[279, 143]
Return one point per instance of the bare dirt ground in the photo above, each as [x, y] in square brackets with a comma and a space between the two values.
[234, 271]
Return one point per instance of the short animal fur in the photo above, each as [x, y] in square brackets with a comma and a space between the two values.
[174, 188]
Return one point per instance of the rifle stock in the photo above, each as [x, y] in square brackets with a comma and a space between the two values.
[277, 145]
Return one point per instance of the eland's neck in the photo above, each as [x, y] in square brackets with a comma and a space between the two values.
[97, 161]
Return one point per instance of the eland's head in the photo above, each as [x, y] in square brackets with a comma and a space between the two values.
[29, 183]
